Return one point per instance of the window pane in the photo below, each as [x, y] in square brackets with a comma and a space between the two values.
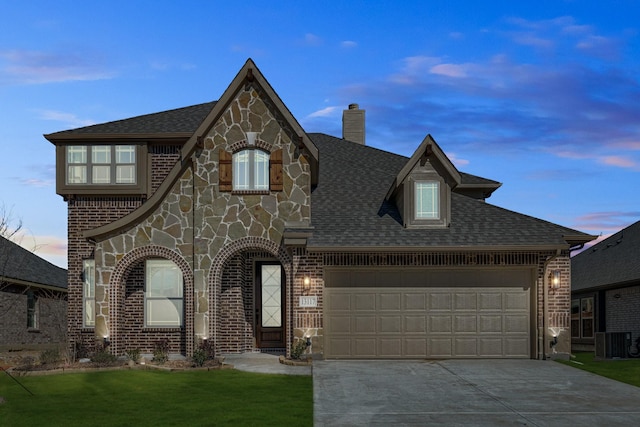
[88, 292]
[77, 154]
[426, 200]
[77, 175]
[164, 312]
[261, 170]
[125, 174]
[271, 296]
[101, 154]
[125, 154]
[241, 170]
[101, 175]
[164, 279]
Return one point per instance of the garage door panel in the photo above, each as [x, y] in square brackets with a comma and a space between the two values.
[465, 347]
[490, 301]
[439, 301]
[390, 324]
[440, 324]
[439, 347]
[364, 347]
[490, 347]
[465, 301]
[415, 324]
[390, 347]
[364, 324]
[415, 301]
[465, 324]
[390, 301]
[402, 322]
[364, 302]
[490, 323]
[516, 324]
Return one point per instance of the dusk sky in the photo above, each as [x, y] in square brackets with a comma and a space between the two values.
[543, 96]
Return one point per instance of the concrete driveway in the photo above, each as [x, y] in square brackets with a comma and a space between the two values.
[468, 393]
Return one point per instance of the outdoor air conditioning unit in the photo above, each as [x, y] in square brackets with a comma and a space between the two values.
[611, 345]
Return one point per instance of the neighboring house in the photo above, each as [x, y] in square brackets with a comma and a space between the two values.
[227, 222]
[33, 300]
[605, 288]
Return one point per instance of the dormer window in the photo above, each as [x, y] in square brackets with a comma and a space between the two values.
[251, 170]
[427, 200]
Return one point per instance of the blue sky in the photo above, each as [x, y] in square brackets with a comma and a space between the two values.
[543, 96]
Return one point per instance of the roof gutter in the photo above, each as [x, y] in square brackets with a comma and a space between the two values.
[15, 281]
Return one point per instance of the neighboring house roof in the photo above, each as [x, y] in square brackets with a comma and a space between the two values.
[350, 210]
[613, 262]
[18, 265]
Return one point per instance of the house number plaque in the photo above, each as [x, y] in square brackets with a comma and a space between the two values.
[308, 301]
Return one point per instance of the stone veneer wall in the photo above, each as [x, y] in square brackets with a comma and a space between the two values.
[203, 228]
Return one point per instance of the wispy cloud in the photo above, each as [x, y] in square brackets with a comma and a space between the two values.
[68, 119]
[606, 222]
[324, 112]
[51, 248]
[348, 44]
[37, 67]
[312, 40]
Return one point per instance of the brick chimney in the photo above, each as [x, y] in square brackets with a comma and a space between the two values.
[353, 124]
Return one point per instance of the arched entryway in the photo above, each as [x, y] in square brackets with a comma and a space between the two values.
[250, 297]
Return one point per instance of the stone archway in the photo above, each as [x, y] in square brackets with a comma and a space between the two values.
[116, 285]
[215, 282]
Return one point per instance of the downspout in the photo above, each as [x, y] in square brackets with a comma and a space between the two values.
[542, 352]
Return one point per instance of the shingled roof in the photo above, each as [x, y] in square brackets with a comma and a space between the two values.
[178, 121]
[349, 209]
[613, 262]
[18, 265]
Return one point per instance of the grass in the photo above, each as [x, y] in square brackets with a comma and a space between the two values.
[157, 398]
[623, 370]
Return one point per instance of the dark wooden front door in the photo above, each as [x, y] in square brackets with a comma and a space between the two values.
[270, 308]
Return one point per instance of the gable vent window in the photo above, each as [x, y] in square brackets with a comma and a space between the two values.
[251, 170]
[101, 164]
[427, 195]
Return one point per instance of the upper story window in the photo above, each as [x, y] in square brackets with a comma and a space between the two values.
[427, 200]
[101, 169]
[101, 164]
[251, 170]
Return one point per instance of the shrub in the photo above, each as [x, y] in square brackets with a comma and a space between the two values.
[81, 349]
[205, 351]
[103, 358]
[199, 357]
[161, 350]
[133, 354]
[298, 348]
[49, 357]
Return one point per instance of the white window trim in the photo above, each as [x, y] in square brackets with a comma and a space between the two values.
[176, 301]
[89, 293]
[90, 169]
[252, 174]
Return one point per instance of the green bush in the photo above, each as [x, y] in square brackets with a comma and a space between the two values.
[161, 350]
[133, 354]
[298, 348]
[49, 357]
[199, 357]
[103, 358]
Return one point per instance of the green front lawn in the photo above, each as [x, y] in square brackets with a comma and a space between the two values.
[156, 398]
[624, 370]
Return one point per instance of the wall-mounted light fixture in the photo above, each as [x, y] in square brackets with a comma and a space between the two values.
[306, 284]
[308, 341]
[106, 341]
[554, 280]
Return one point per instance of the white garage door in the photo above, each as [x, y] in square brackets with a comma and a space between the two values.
[427, 322]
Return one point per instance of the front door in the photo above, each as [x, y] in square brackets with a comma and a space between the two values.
[270, 331]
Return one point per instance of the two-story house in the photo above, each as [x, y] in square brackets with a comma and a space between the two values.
[226, 221]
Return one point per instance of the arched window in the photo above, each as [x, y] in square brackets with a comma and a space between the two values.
[251, 170]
